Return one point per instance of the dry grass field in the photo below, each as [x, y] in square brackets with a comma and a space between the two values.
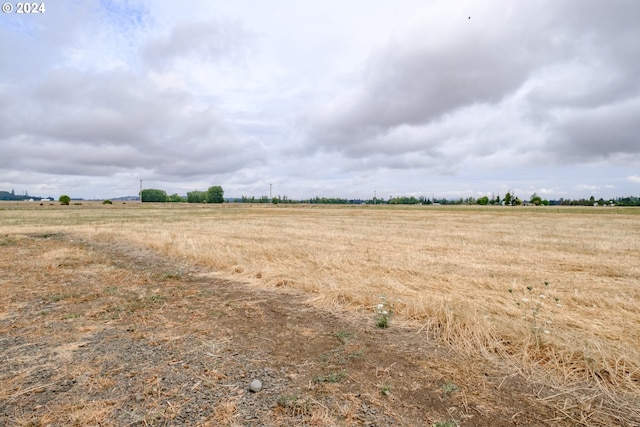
[551, 295]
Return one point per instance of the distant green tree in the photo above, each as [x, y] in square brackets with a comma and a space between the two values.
[535, 199]
[507, 199]
[335, 201]
[64, 199]
[153, 195]
[483, 201]
[175, 198]
[215, 194]
[404, 200]
[196, 196]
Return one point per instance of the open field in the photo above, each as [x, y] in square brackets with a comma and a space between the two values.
[549, 294]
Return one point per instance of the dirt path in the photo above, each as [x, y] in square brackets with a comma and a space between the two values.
[102, 334]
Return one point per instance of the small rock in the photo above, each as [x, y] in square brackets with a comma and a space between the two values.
[255, 386]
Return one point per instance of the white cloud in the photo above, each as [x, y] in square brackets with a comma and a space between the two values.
[208, 41]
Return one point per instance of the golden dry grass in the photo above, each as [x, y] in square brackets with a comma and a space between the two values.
[471, 277]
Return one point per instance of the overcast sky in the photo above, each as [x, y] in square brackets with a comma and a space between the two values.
[326, 98]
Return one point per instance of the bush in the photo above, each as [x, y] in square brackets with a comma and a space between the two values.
[64, 200]
[107, 202]
[483, 201]
[175, 198]
[196, 196]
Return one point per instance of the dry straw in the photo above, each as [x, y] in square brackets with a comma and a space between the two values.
[470, 277]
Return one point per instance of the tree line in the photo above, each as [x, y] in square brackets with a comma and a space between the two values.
[215, 194]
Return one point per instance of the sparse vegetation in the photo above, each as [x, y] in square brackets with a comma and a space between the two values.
[344, 336]
[332, 377]
[537, 308]
[383, 313]
[385, 390]
[447, 271]
[450, 388]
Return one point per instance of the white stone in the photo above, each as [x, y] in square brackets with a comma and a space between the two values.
[255, 386]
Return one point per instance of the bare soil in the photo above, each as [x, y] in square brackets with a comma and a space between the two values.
[95, 333]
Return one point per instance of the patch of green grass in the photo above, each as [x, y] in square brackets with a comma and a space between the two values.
[344, 354]
[450, 388]
[111, 290]
[333, 377]
[347, 352]
[7, 240]
[157, 299]
[69, 316]
[287, 400]
[294, 405]
[61, 297]
[113, 313]
[343, 336]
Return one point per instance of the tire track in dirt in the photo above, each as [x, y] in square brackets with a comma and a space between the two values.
[106, 333]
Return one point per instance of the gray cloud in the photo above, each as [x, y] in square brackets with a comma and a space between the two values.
[419, 77]
[598, 132]
[570, 72]
[100, 123]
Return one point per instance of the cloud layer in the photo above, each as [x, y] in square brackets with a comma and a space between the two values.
[446, 98]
